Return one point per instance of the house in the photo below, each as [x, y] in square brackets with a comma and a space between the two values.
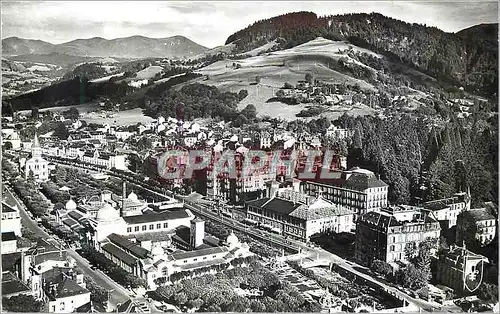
[9, 242]
[297, 215]
[63, 290]
[139, 305]
[338, 133]
[42, 257]
[12, 286]
[447, 210]
[386, 233]
[266, 140]
[461, 270]
[12, 138]
[357, 189]
[11, 220]
[476, 227]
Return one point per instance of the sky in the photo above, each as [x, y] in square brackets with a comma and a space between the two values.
[209, 23]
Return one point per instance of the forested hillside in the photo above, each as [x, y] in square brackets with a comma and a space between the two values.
[194, 101]
[403, 150]
[67, 93]
[468, 58]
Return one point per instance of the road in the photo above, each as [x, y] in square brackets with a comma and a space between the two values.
[277, 239]
[118, 295]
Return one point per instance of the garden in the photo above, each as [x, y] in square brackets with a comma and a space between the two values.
[216, 293]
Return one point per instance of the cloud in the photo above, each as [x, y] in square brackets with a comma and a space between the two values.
[210, 23]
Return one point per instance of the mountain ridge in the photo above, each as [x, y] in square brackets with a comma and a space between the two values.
[126, 47]
[428, 49]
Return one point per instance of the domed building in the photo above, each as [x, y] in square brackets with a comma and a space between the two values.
[133, 197]
[237, 248]
[232, 241]
[108, 221]
[70, 205]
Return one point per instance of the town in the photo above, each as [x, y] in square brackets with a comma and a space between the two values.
[249, 157]
[88, 224]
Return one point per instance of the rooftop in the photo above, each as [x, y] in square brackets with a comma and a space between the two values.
[363, 181]
[198, 253]
[11, 284]
[276, 205]
[62, 285]
[120, 254]
[11, 261]
[6, 208]
[125, 244]
[8, 236]
[384, 219]
[156, 217]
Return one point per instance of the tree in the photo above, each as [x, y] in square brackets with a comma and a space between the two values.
[8, 145]
[144, 143]
[309, 78]
[488, 292]
[72, 113]
[381, 267]
[21, 303]
[250, 112]
[240, 121]
[280, 93]
[34, 113]
[180, 298]
[287, 86]
[61, 131]
[242, 94]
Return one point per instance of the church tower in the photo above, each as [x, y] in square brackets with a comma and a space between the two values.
[36, 150]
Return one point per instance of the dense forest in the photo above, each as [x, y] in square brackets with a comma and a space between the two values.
[468, 58]
[88, 70]
[194, 101]
[410, 154]
[67, 93]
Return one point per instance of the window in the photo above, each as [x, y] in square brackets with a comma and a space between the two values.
[151, 227]
[204, 257]
[158, 226]
[185, 261]
[144, 228]
[129, 229]
[61, 306]
[136, 228]
[392, 248]
[165, 225]
[194, 260]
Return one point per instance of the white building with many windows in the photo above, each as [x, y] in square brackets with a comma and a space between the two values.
[357, 189]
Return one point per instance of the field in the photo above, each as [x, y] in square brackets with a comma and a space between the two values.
[149, 72]
[276, 68]
[126, 117]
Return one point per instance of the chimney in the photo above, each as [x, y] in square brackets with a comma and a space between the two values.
[124, 195]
